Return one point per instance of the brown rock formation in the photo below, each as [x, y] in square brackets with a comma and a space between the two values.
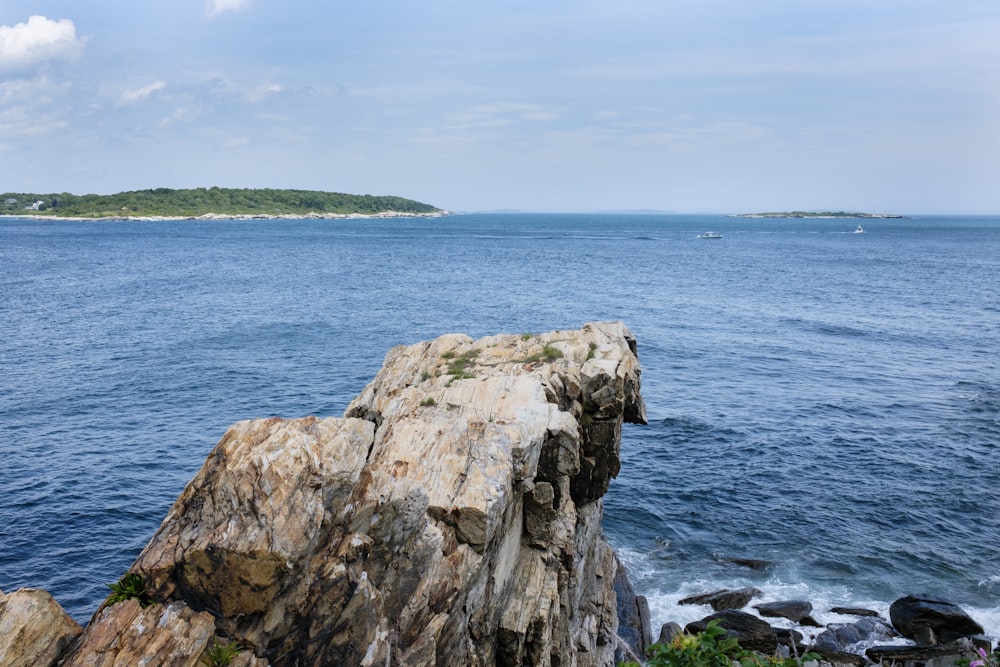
[453, 517]
[34, 629]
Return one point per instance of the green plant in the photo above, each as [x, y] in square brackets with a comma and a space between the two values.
[711, 648]
[526, 336]
[593, 347]
[220, 655]
[458, 365]
[129, 587]
[427, 402]
[548, 353]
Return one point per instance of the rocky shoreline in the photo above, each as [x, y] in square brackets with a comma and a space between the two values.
[921, 630]
[209, 217]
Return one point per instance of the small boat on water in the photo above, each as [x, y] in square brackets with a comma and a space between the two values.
[859, 230]
[710, 235]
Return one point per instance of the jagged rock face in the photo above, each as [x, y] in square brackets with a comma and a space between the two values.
[128, 634]
[452, 517]
[34, 629]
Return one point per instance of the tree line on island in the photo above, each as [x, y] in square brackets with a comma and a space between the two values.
[193, 202]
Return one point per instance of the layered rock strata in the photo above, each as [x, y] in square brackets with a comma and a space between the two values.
[452, 517]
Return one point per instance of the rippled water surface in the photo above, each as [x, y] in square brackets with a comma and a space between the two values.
[824, 400]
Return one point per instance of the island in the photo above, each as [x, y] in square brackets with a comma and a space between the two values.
[819, 214]
[211, 203]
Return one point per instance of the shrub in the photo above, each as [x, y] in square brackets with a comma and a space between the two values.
[129, 587]
[221, 655]
[711, 648]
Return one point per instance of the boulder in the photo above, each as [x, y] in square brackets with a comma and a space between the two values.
[634, 623]
[452, 516]
[926, 656]
[842, 638]
[128, 633]
[930, 620]
[34, 629]
[753, 563]
[793, 610]
[752, 633]
[854, 611]
[724, 599]
[668, 631]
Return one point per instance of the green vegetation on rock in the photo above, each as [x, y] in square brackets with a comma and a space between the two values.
[165, 202]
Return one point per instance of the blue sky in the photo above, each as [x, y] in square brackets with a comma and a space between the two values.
[548, 105]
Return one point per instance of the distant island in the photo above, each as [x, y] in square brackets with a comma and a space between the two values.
[818, 214]
[211, 203]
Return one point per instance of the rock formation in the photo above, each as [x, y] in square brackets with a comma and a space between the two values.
[452, 517]
[34, 629]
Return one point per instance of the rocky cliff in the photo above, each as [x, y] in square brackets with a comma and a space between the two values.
[452, 517]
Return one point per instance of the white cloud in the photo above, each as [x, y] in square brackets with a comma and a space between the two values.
[215, 7]
[37, 41]
[262, 92]
[132, 96]
[184, 114]
[32, 108]
[500, 114]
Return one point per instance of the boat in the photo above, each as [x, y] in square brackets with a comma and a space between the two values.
[859, 230]
[710, 235]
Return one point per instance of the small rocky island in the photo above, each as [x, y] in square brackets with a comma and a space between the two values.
[821, 214]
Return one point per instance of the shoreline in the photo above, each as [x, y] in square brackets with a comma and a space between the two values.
[210, 217]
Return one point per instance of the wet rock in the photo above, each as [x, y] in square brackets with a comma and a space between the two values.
[724, 599]
[842, 638]
[854, 611]
[751, 632]
[634, 625]
[752, 563]
[34, 629]
[793, 610]
[914, 615]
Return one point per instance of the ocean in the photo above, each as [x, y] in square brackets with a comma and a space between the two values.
[823, 400]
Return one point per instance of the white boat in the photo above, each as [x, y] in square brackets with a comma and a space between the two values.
[710, 235]
[859, 230]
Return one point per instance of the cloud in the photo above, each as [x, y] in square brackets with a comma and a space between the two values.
[32, 108]
[132, 96]
[38, 41]
[500, 114]
[215, 7]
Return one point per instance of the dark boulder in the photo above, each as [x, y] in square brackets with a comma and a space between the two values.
[948, 654]
[793, 610]
[839, 638]
[752, 633]
[668, 631]
[854, 611]
[752, 563]
[791, 638]
[913, 616]
[634, 626]
[724, 599]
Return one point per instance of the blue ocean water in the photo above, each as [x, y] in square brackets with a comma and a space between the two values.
[824, 400]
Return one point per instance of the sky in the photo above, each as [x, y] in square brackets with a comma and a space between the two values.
[713, 106]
